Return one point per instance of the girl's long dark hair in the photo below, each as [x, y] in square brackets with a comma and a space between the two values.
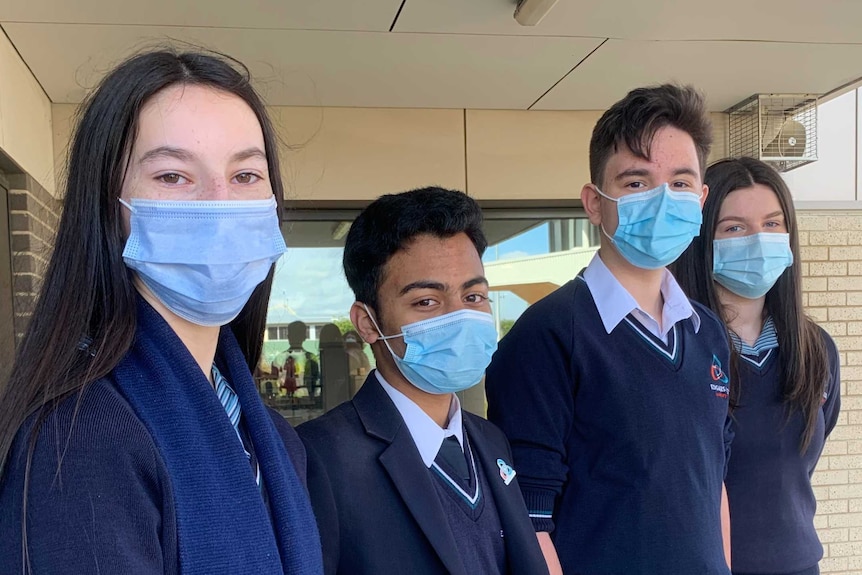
[802, 353]
[87, 299]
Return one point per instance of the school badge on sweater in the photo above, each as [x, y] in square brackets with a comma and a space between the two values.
[506, 471]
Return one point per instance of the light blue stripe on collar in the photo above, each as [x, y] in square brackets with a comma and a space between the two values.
[768, 339]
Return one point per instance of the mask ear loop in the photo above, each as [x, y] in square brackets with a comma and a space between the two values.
[380, 331]
[127, 204]
[614, 200]
[395, 357]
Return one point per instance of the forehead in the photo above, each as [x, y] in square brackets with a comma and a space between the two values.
[671, 149]
[754, 201]
[450, 261]
[196, 117]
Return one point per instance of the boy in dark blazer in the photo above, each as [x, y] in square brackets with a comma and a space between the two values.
[401, 479]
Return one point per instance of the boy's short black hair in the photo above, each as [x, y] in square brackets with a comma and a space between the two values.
[392, 221]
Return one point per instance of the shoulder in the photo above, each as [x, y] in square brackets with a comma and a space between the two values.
[707, 316]
[553, 313]
[710, 323]
[291, 440]
[828, 343]
[831, 349]
[97, 421]
[563, 297]
[329, 426]
[486, 430]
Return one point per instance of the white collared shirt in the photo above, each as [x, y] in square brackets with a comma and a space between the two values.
[427, 435]
[614, 302]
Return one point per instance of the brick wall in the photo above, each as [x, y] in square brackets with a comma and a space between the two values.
[33, 215]
[832, 291]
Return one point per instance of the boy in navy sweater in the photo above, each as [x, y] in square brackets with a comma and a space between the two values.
[618, 421]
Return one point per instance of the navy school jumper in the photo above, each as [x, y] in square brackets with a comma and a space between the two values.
[620, 442]
[772, 504]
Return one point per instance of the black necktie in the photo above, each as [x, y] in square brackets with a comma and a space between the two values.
[453, 455]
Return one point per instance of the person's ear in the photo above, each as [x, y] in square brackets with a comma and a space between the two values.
[704, 195]
[363, 323]
[592, 203]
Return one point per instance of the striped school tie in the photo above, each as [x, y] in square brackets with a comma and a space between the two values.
[230, 402]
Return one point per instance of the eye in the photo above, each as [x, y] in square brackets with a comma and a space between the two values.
[246, 178]
[425, 303]
[733, 229]
[774, 224]
[476, 298]
[635, 185]
[681, 185]
[171, 178]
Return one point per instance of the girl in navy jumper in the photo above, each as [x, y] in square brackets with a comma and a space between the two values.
[784, 369]
[132, 436]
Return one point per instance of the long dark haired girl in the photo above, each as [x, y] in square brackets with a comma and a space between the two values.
[132, 437]
[784, 368]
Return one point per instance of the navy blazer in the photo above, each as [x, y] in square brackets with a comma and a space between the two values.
[376, 506]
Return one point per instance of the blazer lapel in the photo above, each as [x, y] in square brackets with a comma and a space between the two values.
[405, 467]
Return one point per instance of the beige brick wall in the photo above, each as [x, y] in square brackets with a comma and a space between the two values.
[832, 291]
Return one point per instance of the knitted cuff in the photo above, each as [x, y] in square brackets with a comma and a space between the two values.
[540, 506]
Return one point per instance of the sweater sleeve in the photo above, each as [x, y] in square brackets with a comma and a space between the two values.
[832, 403]
[530, 389]
[95, 496]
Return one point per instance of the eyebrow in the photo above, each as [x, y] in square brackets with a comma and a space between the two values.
[428, 284]
[187, 156]
[166, 152]
[248, 153]
[641, 172]
[740, 219]
[630, 173]
[475, 281]
[422, 284]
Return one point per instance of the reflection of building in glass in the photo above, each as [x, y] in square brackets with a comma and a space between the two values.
[533, 277]
[536, 261]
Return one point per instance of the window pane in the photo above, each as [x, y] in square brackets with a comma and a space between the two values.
[313, 359]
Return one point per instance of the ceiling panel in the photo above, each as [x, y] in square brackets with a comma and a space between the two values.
[316, 68]
[727, 72]
[828, 21]
[296, 14]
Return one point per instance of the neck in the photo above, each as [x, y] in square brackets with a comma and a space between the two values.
[743, 315]
[201, 341]
[435, 406]
[643, 285]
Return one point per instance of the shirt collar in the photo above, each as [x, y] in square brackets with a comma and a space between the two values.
[614, 302]
[768, 339]
[427, 435]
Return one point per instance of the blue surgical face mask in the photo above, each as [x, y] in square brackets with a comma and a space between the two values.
[447, 353]
[655, 226]
[750, 265]
[203, 259]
